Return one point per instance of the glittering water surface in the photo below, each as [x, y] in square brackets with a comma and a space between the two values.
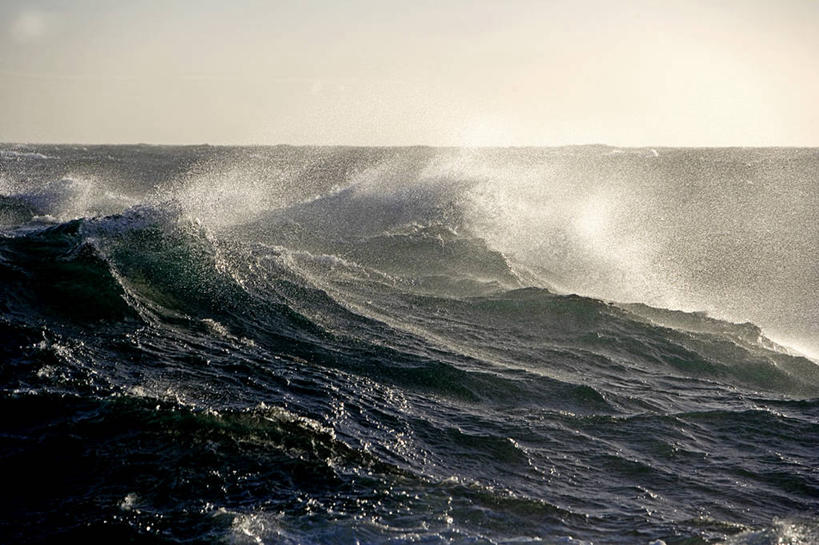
[409, 345]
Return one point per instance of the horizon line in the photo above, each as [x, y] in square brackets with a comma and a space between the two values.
[438, 146]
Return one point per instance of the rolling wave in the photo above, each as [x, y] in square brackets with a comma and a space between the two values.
[367, 359]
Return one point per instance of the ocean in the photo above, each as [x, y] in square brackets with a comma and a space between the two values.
[312, 345]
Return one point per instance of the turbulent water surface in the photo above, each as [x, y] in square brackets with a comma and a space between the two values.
[415, 345]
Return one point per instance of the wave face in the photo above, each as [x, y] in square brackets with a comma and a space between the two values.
[339, 345]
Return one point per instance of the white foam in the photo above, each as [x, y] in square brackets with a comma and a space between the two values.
[14, 154]
[782, 532]
[68, 198]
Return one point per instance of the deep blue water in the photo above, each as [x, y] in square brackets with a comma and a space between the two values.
[408, 345]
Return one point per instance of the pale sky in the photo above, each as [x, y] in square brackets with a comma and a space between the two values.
[445, 72]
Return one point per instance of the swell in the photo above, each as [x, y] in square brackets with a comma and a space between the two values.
[162, 471]
[242, 452]
[168, 278]
[142, 287]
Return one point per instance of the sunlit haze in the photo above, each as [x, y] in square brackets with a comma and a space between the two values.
[672, 73]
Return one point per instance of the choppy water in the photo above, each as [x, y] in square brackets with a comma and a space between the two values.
[341, 345]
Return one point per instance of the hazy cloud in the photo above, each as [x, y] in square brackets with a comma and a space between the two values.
[29, 26]
[638, 72]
